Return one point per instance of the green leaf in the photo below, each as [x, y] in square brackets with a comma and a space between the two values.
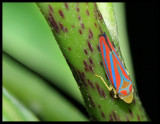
[13, 110]
[34, 93]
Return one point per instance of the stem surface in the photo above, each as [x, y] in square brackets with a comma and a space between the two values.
[76, 27]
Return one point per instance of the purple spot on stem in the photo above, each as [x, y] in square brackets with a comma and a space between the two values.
[100, 16]
[101, 63]
[100, 29]
[80, 31]
[61, 13]
[90, 46]
[50, 7]
[103, 115]
[92, 103]
[85, 51]
[87, 12]
[85, 63]
[82, 25]
[61, 25]
[99, 106]
[90, 68]
[53, 23]
[86, 69]
[90, 83]
[95, 13]
[95, 25]
[115, 116]
[77, 8]
[90, 60]
[98, 88]
[79, 18]
[83, 79]
[91, 33]
[50, 14]
[103, 93]
[66, 5]
[111, 118]
[83, 74]
[63, 28]
[72, 26]
[69, 48]
[77, 75]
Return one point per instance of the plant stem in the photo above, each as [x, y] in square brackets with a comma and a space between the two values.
[76, 27]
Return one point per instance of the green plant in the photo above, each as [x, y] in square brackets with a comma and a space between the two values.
[76, 27]
[34, 93]
[29, 47]
[13, 110]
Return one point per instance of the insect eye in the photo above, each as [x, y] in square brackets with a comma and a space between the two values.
[124, 92]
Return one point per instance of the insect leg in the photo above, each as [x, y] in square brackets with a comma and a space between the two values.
[115, 92]
[109, 88]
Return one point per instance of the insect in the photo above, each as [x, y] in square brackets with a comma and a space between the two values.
[118, 76]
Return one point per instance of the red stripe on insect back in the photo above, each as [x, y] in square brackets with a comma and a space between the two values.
[102, 53]
[109, 49]
[108, 61]
[113, 49]
[109, 67]
[107, 57]
[117, 75]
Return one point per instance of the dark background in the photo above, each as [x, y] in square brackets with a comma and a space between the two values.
[142, 24]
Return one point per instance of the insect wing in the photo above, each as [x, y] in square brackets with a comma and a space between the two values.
[107, 62]
[113, 66]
